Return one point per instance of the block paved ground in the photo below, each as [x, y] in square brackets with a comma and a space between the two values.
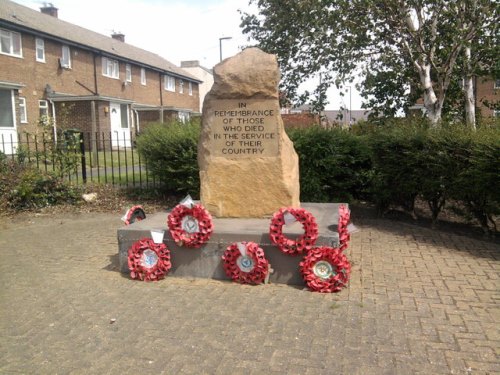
[419, 302]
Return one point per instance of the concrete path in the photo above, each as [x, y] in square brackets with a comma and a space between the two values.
[419, 302]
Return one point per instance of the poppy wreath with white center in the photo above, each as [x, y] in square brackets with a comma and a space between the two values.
[325, 269]
[258, 266]
[133, 214]
[183, 238]
[344, 236]
[138, 260]
[304, 242]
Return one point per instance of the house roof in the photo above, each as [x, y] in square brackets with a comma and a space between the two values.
[26, 19]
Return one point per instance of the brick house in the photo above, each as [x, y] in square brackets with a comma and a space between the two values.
[82, 79]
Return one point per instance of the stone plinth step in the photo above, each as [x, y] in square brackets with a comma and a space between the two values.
[206, 261]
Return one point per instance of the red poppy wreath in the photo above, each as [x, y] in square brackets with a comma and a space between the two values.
[134, 213]
[302, 243]
[325, 269]
[245, 262]
[190, 226]
[148, 261]
[344, 236]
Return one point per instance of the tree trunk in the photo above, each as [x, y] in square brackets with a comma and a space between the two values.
[432, 105]
[470, 108]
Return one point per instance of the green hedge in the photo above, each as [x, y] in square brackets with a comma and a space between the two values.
[389, 164]
[170, 151]
[334, 165]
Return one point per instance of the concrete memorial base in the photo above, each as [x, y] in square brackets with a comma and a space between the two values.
[206, 262]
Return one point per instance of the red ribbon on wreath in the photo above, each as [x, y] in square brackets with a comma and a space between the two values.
[325, 269]
[148, 261]
[344, 236]
[245, 262]
[190, 226]
[301, 244]
[134, 213]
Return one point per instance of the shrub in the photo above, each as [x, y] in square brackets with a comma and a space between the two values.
[170, 151]
[334, 164]
[25, 187]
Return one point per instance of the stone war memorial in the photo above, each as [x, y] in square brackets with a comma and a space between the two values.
[248, 166]
[249, 224]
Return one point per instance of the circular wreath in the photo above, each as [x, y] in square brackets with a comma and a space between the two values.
[148, 261]
[248, 267]
[191, 227]
[301, 244]
[134, 213]
[325, 269]
[344, 236]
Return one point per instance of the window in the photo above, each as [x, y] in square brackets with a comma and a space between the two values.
[6, 109]
[44, 108]
[65, 60]
[170, 83]
[10, 43]
[190, 88]
[22, 110]
[143, 76]
[110, 68]
[497, 83]
[124, 116]
[181, 87]
[40, 50]
[128, 73]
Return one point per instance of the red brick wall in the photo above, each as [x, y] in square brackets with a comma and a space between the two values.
[80, 80]
[485, 91]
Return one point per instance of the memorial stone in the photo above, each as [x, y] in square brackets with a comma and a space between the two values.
[248, 166]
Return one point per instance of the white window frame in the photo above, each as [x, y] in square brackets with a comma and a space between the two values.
[43, 105]
[190, 88]
[40, 47]
[143, 76]
[181, 86]
[128, 73]
[110, 68]
[65, 60]
[13, 109]
[23, 115]
[169, 83]
[9, 37]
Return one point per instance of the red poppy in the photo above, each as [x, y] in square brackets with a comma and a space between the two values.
[344, 236]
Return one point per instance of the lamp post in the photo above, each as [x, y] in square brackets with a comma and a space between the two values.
[220, 44]
[350, 105]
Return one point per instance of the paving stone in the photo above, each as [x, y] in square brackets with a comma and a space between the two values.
[419, 302]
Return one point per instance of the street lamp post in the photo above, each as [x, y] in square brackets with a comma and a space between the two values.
[350, 105]
[220, 44]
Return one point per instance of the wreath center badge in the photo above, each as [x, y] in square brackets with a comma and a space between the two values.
[190, 224]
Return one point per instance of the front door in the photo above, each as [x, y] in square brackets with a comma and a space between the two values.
[8, 131]
[120, 127]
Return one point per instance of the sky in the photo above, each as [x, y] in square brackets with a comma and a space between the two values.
[177, 30]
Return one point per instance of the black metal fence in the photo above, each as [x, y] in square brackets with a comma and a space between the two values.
[82, 157]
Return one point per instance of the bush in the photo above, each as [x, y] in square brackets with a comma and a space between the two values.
[25, 187]
[170, 151]
[334, 164]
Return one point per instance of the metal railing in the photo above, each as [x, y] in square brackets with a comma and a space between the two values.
[82, 157]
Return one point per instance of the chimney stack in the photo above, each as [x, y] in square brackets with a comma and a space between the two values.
[49, 9]
[118, 36]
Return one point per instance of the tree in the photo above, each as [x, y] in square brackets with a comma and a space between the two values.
[397, 44]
